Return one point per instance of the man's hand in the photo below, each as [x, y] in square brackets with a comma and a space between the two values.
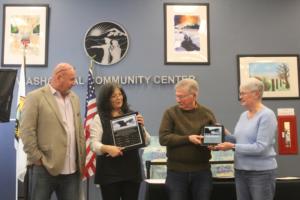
[38, 162]
[196, 139]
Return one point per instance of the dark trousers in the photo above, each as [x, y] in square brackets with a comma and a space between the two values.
[127, 190]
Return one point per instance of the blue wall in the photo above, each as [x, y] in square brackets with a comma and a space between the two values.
[236, 27]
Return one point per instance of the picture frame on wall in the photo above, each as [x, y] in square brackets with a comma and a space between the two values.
[279, 73]
[186, 28]
[25, 32]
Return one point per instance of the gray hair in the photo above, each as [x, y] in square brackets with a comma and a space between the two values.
[190, 84]
[253, 84]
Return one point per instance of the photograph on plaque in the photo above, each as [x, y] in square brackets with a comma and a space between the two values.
[213, 134]
[127, 132]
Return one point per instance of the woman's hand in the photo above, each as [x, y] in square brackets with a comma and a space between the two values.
[140, 119]
[225, 146]
[226, 131]
[112, 151]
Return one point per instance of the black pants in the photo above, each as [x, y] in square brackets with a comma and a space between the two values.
[127, 190]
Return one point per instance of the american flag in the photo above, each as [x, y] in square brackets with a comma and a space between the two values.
[90, 112]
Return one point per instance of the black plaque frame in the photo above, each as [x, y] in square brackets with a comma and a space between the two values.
[127, 132]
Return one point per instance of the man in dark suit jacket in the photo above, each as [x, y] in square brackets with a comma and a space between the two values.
[52, 133]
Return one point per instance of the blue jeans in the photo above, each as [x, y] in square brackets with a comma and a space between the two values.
[255, 185]
[189, 185]
[42, 185]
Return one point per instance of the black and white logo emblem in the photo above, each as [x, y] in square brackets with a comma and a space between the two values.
[106, 43]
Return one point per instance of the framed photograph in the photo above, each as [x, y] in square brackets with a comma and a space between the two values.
[186, 33]
[127, 132]
[213, 134]
[279, 73]
[25, 32]
[287, 135]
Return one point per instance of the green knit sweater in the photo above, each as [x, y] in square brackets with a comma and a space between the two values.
[176, 126]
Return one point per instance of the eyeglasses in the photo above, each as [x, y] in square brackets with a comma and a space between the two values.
[245, 93]
[182, 96]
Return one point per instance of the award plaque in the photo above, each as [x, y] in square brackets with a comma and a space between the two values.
[127, 132]
[213, 134]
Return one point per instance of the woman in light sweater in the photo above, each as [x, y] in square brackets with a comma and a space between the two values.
[253, 142]
[118, 172]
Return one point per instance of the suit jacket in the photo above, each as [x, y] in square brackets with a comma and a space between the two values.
[43, 133]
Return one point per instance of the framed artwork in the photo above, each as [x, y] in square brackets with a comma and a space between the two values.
[287, 135]
[106, 43]
[25, 32]
[279, 73]
[186, 33]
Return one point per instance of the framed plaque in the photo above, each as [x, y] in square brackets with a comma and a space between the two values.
[213, 134]
[127, 132]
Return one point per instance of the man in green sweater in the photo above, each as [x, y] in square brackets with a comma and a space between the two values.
[188, 169]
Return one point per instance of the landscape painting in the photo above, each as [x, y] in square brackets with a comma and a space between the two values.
[279, 73]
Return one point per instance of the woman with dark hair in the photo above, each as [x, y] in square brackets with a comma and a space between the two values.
[118, 172]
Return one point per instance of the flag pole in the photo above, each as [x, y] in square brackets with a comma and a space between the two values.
[91, 67]
[88, 178]
[92, 63]
[20, 154]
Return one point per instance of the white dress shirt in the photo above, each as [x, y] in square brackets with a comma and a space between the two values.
[65, 108]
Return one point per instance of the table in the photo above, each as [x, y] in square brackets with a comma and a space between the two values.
[154, 189]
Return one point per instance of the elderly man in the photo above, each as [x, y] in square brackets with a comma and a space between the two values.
[188, 174]
[52, 133]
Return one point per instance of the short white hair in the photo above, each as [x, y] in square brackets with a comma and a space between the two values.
[253, 84]
[190, 84]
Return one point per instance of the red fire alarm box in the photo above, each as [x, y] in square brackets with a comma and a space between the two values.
[287, 135]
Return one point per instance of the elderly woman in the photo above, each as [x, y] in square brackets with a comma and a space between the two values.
[117, 171]
[254, 138]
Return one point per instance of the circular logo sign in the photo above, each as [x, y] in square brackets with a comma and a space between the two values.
[106, 43]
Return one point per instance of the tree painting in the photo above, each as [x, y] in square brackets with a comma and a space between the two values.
[283, 74]
[274, 75]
